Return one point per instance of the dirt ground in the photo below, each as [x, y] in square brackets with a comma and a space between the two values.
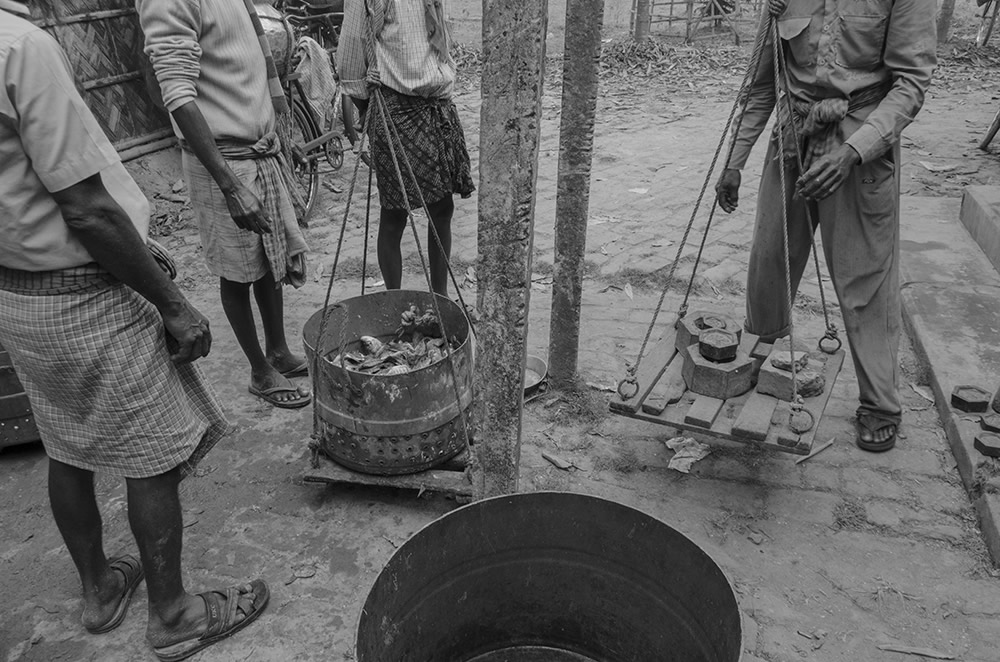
[833, 559]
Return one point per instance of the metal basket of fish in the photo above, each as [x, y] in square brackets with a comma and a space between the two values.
[392, 383]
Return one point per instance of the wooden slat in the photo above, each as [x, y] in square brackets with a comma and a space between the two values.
[669, 388]
[754, 419]
[453, 483]
[703, 411]
[651, 367]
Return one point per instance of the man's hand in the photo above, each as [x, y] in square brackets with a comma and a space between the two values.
[246, 210]
[827, 174]
[188, 335]
[727, 189]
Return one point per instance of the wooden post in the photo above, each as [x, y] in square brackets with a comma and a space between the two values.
[581, 59]
[643, 19]
[510, 119]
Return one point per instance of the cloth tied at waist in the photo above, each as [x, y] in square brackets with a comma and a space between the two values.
[817, 124]
[285, 246]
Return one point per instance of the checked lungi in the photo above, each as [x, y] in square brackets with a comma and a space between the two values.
[430, 136]
[231, 252]
[93, 358]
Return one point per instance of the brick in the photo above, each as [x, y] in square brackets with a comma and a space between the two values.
[778, 383]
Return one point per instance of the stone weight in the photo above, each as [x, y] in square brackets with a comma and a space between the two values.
[690, 326]
[717, 380]
[990, 422]
[970, 399]
[718, 345]
[988, 444]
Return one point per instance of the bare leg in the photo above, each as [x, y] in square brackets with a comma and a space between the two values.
[236, 304]
[391, 226]
[74, 507]
[441, 213]
[270, 301]
[154, 513]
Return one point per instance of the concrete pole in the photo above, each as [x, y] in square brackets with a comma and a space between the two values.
[581, 59]
[510, 119]
[946, 10]
[643, 19]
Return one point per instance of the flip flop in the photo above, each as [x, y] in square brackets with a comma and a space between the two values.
[267, 395]
[221, 608]
[302, 370]
[131, 569]
[871, 424]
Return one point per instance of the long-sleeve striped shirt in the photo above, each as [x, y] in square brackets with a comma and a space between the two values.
[836, 47]
[207, 50]
[404, 58]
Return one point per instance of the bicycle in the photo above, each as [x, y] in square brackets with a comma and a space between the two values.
[313, 137]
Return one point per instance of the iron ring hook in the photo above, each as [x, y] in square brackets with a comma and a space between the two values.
[832, 337]
[621, 388]
[797, 429]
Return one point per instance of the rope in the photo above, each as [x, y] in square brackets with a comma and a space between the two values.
[393, 139]
[831, 329]
[748, 76]
[368, 217]
[776, 47]
[340, 243]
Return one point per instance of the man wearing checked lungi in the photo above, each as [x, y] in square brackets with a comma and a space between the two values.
[215, 81]
[394, 56]
[103, 342]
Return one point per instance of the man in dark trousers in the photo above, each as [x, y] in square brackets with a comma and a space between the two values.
[857, 74]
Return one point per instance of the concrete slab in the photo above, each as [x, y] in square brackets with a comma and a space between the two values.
[950, 303]
[981, 217]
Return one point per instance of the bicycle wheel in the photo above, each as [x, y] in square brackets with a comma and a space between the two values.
[304, 165]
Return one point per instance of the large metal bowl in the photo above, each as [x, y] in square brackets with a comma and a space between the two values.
[553, 577]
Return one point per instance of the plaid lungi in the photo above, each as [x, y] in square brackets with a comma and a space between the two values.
[431, 138]
[93, 359]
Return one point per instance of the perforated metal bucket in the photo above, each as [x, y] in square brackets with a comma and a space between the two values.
[388, 424]
[553, 577]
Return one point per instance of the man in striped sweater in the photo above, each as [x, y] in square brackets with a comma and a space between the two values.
[214, 81]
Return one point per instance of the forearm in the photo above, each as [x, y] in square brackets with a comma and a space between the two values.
[199, 138]
[107, 233]
[757, 110]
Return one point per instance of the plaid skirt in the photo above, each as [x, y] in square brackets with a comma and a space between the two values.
[93, 359]
[431, 139]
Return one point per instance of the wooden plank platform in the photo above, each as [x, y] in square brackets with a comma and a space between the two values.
[449, 479]
[748, 418]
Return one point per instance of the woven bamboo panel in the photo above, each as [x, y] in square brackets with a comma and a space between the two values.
[103, 42]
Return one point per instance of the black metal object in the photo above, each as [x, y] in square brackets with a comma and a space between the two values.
[550, 576]
[387, 424]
